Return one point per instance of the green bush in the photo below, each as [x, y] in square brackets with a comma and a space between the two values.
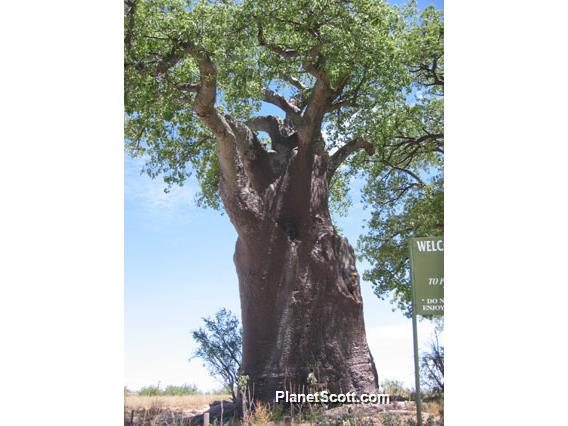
[169, 390]
[396, 388]
[150, 391]
[181, 390]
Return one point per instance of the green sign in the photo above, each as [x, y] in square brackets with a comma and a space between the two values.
[427, 265]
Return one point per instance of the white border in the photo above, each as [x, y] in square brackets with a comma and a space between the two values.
[61, 307]
[61, 216]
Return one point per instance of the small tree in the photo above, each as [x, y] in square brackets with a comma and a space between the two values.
[220, 343]
[433, 362]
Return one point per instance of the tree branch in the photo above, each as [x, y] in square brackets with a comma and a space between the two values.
[187, 87]
[350, 100]
[401, 169]
[321, 97]
[242, 204]
[297, 84]
[270, 124]
[284, 52]
[342, 153]
[291, 110]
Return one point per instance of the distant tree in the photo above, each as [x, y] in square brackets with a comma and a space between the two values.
[151, 390]
[396, 389]
[432, 364]
[220, 343]
[180, 390]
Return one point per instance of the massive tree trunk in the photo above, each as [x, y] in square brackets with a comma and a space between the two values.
[301, 302]
[300, 298]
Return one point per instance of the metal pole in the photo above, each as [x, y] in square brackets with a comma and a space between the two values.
[416, 362]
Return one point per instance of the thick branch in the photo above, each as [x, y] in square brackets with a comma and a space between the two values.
[314, 70]
[299, 99]
[253, 156]
[321, 97]
[341, 104]
[342, 153]
[187, 87]
[270, 124]
[277, 99]
[242, 204]
[297, 84]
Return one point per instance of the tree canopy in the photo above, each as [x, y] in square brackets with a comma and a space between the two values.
[382, 63]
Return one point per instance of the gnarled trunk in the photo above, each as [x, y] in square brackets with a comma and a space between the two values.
[300, 299]
[301, 303]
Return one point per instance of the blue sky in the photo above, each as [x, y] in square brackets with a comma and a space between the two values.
[179, 268]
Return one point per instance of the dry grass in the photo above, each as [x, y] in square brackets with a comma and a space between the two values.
[260, 417]
[186, 402]
[435, 408]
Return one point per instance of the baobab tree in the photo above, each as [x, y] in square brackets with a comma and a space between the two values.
[197, 74]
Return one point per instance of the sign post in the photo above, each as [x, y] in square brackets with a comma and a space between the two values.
[427, 275]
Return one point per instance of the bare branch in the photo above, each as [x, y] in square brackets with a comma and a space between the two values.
[345, 151]
[350, 100]
[314, 70]
[321, 97]
[187, 87]
[297, 84]
[407, 140]
[341, 104]
[270, 124]
[401, 169]
[277, 99]
[431, 72]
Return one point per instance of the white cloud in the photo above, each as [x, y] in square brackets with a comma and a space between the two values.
[149, 193]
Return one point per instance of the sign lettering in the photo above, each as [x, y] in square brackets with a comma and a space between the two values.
[427, 266]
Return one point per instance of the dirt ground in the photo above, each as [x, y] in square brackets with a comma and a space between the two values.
[186, 410]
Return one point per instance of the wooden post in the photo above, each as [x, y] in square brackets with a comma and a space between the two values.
[132, 418]
[221, 412]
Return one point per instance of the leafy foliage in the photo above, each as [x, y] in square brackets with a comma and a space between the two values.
[219, 346]
[405, 185]
[169, 390]
[385, 61]
[396, 389]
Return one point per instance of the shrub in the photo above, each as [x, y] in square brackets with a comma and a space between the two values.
[219, 346]
[395, 389]
[150, 391]
[180, 390]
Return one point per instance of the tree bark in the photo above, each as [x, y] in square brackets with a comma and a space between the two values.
[301, 302]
